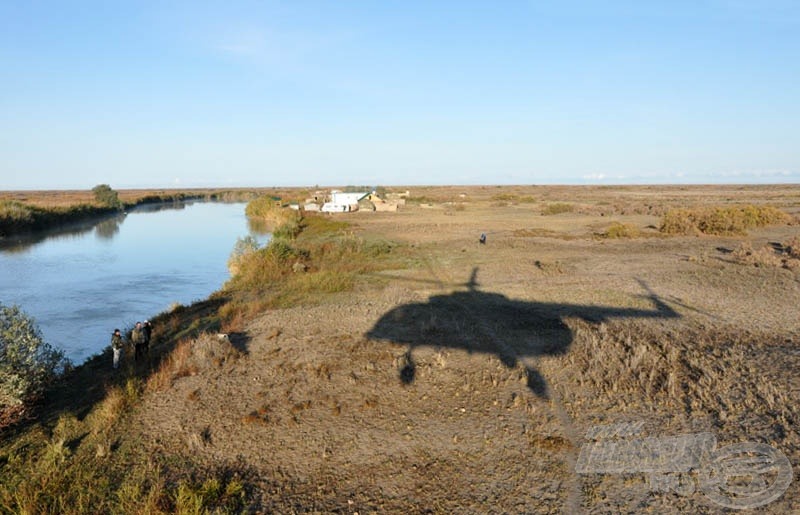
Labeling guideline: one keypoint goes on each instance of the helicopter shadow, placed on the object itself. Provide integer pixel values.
(490, 323)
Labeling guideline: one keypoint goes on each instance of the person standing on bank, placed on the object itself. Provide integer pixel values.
(116, 346)
(137, 337)
(148, 331)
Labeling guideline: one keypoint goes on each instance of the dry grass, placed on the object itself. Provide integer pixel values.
(792, 247)
(118, 400)
(558, 208)
(37, 210)
(64, 198)
(323, 258)
(190, 357)
(783, 256)
(550, 267)
(269, 210)
(764, 256)
(726, 220)
(621, 230)
(691, 370)
(513, 198)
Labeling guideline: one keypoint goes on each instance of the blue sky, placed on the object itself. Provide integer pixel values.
(184, 94)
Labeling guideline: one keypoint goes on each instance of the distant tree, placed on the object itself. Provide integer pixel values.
(107, 196)
(27, 362)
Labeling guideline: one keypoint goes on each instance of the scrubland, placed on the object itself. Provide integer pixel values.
(389, 362)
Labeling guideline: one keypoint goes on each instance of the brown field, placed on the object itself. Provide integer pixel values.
(468, 379)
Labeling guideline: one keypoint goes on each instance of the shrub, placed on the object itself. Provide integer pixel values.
(14, 216)
(678, 221)
(510, 197)
(324, 258)
(620, 230)
(268, 209)
(289, 229)
(260, 270)
(792, 247)
(106, 196)
(244, 246)
(27, 363)
(728, 220)
(558, 208)
(315, 226)
(765, 256)
(786, 255)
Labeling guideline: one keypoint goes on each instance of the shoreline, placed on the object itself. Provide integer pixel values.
(34, 218)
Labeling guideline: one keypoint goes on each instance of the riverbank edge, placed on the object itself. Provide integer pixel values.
(85, 417)
(40, 219)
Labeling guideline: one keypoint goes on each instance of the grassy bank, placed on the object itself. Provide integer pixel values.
(77, 454)
(17, 217)
(308, 257)
(80, 450)
(37, 211)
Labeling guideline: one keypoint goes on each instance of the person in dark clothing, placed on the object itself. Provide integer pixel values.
(147, 327)
(116, 346)
(137, 337)
(482, 239)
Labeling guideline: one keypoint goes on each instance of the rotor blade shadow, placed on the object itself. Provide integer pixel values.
(512, 330)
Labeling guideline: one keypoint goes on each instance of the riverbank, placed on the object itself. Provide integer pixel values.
(433, 373)
(25, 212)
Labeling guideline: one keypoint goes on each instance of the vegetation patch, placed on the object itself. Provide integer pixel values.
(557, 208)
(27, 363)
(786, 255)
(538, 232)
(77, 455)
(269, 209)
(513, 198)
(721, 221)
(105, 196)
(16, 217)
(621, 230)
(316, 257)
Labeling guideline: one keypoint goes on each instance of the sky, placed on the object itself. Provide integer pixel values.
(300, 93)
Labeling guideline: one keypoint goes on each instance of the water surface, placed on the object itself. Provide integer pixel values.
(83, 283)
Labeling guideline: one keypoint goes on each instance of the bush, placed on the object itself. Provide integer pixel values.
(14, 217)
(729, 220)
(678, 221)
(288, 230)
(269, 209)
(244, 246)
(106, 196)
(792, 247)
(620, 230)
(558, 208)
(745, 254)
(27, 363)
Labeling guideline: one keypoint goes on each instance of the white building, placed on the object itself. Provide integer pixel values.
(343, 202)
(346, 199)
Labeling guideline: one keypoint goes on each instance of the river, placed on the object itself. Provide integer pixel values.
(81, 283)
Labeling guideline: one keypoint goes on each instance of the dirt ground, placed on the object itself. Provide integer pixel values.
(473, 380)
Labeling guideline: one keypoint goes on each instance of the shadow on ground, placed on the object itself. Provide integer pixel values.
(491, 323)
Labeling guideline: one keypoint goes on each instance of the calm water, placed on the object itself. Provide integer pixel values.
(81, 284)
